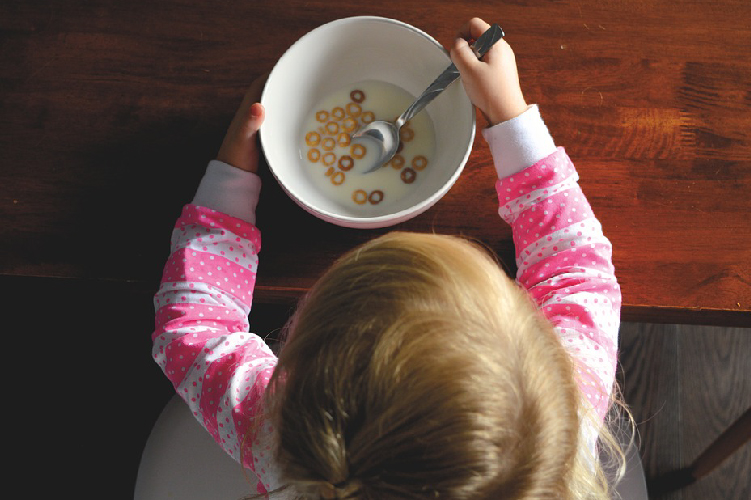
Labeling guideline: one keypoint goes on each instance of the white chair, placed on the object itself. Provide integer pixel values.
(633, 485)
(181, 461)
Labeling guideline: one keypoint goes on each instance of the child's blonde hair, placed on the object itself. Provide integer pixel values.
(415, 368)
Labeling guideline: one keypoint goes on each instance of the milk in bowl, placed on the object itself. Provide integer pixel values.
(335, 164)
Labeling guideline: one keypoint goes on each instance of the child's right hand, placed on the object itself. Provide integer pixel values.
(491, 83)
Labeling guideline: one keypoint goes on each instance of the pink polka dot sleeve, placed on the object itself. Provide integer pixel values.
(201, 340)
(565, 262)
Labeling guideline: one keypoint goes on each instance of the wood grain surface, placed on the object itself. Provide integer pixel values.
(109, 112)
(686, 385)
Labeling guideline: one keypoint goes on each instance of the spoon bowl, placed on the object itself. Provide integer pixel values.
(384, 135)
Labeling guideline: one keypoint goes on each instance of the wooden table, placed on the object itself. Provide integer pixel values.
(110, 111)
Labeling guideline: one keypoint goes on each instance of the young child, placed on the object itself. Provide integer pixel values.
(414, 368)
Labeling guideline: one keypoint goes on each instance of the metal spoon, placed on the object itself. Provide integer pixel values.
(385, 135)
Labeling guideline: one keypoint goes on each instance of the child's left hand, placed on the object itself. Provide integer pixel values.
(240, 146)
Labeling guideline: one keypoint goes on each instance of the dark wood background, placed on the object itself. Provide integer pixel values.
(111, 110)
(685, 385)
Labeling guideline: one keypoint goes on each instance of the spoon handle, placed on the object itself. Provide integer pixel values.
(450, 74)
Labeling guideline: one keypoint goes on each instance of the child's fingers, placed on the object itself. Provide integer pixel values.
(240, 148)
(256, 88)
(477, 27)
(252, 95)
(463, 57)
(473, 29)
(255, 118)
(257, 111)
(247, 128)
(500, 52)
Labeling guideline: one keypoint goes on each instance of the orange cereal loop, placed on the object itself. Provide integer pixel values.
(376, 197)
(357, 95)
(337, 179)
(354, 109)
(357, 151)
(328, 143)
(359, 196)
(329, 159)
(344, 139)
(314, 155)
(337, 113)
(322, 116)
(312, 138)
(346, 163)
(419, 162)
(332, 128)
(349, 124)
(367, 117)
(330, 171)
(408, 175)
(397, 162)
(406, 134)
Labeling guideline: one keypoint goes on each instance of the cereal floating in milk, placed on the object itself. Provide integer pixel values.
(336, 164)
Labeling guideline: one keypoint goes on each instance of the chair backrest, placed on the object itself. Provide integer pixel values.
(181, 460)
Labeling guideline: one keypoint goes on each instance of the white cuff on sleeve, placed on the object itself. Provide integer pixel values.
(519, 142)
(229, 190)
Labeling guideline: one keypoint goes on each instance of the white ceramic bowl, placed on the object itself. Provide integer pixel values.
(348, 51)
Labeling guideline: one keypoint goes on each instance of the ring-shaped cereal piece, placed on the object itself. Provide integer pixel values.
(406, 134)
(357, 95)
(337, 179)
(357, 151)
(367, 117)
(337, 113)
(360, 197)
(312, 138)
(344, 139)
(328, 143)
(349, 124)
(314, 155)
(419, 162)
(376, 197)
(330, 171)
(329, 159)
(408, 175)
(397, 162)
(322, 116)
(354, 110)
(346, 163)
(332, 128)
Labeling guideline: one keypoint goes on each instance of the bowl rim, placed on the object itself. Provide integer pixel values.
(365, 222)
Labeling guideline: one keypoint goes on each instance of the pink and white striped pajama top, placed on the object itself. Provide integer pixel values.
(202, 342)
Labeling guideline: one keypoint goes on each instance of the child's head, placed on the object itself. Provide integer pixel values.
(416, 368)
